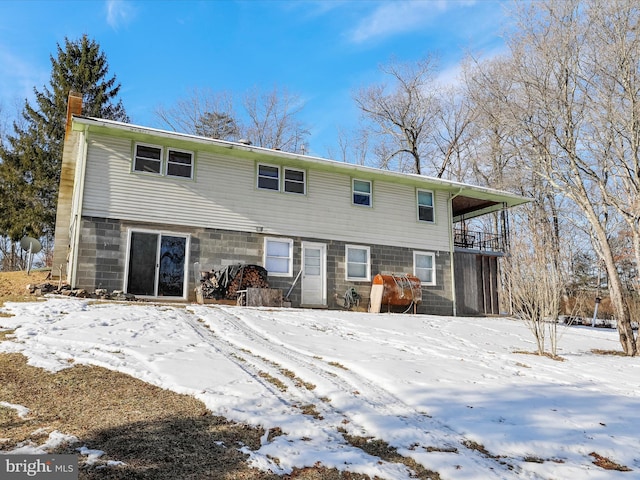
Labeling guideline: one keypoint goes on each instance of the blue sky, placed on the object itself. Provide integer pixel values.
(320, 50)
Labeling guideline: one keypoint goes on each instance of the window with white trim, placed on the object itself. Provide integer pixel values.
(294, 181)
(424, 267)
(361, 192)
(152, 159)
(358, 263)
(425, 206)
(179, 163)
(268, 177)
(278, 256)
(148, 159)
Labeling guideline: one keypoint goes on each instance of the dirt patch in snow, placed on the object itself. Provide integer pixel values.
(157, 434)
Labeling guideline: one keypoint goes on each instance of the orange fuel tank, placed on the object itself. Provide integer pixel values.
(399, 290)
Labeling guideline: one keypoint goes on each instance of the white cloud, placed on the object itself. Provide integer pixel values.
(451, 73)
(119, 12)
(18, 79)
(396, 17)
(401, 16)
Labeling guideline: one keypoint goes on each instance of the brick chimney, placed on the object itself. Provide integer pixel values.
(74, 107)
(61, 246)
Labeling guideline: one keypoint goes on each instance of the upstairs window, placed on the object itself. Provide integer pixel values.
(358, 264)
(361, 192)
(152, 159)
(294, 181)
(268, 177)
(424, 267)
(148, 159)
(278, 256)
(425, 206)
(180, 164)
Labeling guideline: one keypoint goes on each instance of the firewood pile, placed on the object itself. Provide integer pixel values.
(225, 283)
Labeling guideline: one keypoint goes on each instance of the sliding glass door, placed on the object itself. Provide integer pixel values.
(157, 264)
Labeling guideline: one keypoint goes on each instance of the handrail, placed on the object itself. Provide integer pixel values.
(477, 240)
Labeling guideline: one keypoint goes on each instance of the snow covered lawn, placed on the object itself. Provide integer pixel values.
(450, 393)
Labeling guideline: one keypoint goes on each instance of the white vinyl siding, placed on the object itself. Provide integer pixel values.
(223, 196)
(424, 267)
(358, 263)
(278, 256)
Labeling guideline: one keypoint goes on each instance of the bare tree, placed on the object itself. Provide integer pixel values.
(402, 115)
(353, 147)
(488, 86)
(202, 112)
(452, 135)
(576, 111)
(536, 280)
(272, 120)
(613, 59)
(267, 119)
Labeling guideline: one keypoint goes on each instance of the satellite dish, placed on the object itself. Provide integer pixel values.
(30, 245)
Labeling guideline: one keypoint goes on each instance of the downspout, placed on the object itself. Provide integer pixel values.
(451, 247)
(78, 195)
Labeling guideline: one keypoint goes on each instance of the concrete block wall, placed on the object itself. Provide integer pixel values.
(102, 258)
(101, 255)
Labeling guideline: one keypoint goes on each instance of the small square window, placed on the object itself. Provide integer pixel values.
(148, 159)
(294, 181)
(278, 256)
(268, 177)
(424, 267)
(179, 164)
(362, 192)
(358, 263)
(425, 206)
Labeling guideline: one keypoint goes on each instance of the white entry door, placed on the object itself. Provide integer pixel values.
(314, 274)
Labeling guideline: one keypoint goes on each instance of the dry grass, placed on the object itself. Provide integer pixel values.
(382, 449)
(557, 358)
(13, 285)
(158, 434)
(616, 353)
(608, 464)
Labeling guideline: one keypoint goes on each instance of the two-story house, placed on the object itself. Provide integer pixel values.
(139, 207)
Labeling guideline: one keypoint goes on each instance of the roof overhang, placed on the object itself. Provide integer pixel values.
(468, 201)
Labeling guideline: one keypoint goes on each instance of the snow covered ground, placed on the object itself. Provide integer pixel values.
(429, 386)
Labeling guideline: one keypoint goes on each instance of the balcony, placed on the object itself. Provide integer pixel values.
(479, 241)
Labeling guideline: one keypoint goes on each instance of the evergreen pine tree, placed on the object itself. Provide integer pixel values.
(31, 158)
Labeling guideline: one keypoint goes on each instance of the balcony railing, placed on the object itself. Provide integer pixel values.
(476, 240)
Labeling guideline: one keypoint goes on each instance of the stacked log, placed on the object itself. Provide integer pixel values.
(225, 283)
(249, 276)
